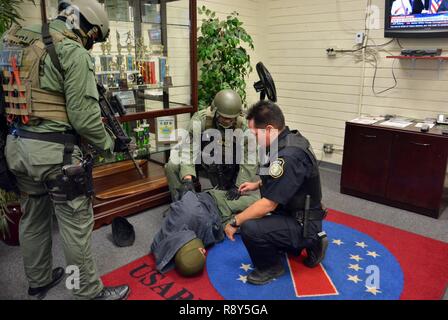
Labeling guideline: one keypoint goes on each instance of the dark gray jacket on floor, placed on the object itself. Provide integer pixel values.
(194, 216)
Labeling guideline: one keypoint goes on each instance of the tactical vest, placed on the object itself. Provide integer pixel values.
(221, 175)
(30, 52)
(311, 185)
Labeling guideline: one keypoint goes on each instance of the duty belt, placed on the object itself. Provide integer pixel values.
(67, 138)
(314, 215)
(55, 137)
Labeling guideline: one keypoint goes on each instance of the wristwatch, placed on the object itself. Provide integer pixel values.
(233, 222)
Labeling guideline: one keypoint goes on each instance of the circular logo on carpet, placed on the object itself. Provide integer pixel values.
(355, 267)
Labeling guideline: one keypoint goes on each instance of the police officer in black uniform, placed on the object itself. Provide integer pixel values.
(288, 217)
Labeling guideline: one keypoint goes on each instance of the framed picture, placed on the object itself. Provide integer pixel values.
(165, 129)
(155, 36)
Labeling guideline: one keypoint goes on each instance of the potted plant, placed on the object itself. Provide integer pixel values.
(9, 13)
(10, 215)
(224, 61)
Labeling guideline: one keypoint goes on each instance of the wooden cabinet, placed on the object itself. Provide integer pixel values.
(367, 154)
(399, 167)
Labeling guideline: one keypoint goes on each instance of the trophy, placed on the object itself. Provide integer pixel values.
(123, 82)
(111, 81)
(108, 46)
(140, 48)
(118, 43)
(167, 80)
(119, 56)
(119, 62)
(130, 60)
(106, 60)
(103, 48)
(130, 63)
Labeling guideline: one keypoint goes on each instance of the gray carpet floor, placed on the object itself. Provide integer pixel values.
(13, 284)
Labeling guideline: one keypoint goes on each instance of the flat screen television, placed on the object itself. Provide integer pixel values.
(416, 19)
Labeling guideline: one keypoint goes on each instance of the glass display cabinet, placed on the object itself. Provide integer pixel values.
(149, 69)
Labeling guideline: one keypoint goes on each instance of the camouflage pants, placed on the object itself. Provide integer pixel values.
(35, 162)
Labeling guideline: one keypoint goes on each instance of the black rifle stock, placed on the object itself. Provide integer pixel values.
(114, 125)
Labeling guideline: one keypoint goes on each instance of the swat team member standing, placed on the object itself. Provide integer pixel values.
(64, 104)
(293, 175)
(225, 113)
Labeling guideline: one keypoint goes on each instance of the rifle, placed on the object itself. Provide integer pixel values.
(43, 12)
(123, 140)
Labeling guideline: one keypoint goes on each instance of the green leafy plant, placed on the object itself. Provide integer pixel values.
(5, 199)
(9, 13)
(224, 62)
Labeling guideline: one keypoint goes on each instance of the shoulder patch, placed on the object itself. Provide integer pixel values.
(276, 168)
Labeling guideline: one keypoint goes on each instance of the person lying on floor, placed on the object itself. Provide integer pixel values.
(194, 223)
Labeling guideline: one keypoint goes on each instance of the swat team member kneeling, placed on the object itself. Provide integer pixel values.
(291, 192)
(225, 113)
(59, 103)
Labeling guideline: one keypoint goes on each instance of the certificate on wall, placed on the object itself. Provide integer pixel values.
(165, 129)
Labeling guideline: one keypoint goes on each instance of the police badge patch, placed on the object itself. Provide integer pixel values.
(276, 168)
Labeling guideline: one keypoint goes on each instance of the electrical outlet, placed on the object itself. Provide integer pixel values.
(359, 38)
(331, 51)
(328, 148)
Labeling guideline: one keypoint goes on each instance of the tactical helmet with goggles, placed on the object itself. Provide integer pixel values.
(87, 16)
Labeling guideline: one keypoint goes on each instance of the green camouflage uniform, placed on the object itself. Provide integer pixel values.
(35, 162)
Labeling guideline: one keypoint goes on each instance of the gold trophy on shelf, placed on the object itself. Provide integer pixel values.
(105, 58)
(140, 48)
(108, 46)
(130, 61)
(103, 48)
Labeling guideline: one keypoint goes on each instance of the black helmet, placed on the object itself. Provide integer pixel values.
(123, 232)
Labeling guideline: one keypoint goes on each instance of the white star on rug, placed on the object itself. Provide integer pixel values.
(246, 267)
(373, 290)
(355, 279)
(337, 242)
(243, 279)
(357, 258)
(361, 244)
(355, 267)
(373, 254)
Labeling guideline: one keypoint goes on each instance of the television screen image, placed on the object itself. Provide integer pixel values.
(416, 18)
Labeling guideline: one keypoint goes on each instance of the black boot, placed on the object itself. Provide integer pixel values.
(41, 292)
(113, 293)
(316, 253)
(265, 276)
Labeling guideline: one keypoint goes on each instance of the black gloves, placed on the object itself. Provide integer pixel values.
(121, 144)
(187, 185)
(233, 193)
